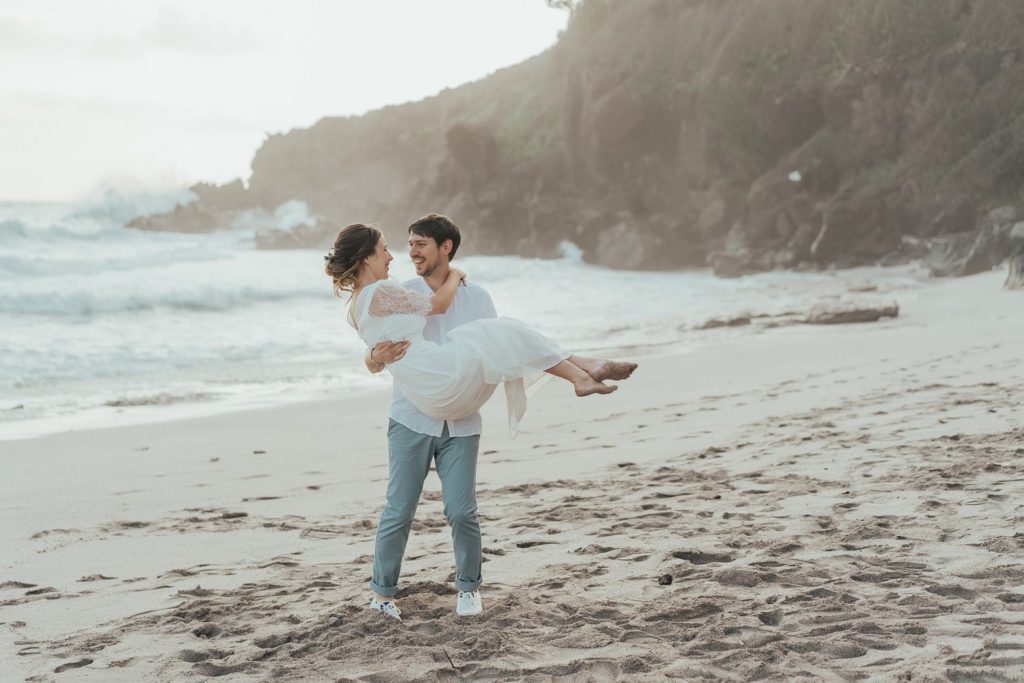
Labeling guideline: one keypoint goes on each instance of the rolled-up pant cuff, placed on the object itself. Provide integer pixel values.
(388, 591)
(467, 586)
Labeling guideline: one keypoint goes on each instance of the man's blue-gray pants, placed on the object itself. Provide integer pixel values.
(409, 458)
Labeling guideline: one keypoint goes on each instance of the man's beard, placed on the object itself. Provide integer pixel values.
(428, 269)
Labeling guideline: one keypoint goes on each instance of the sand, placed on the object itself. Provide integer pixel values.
(830, 502)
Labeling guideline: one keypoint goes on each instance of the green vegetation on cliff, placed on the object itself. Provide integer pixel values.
(659, 132)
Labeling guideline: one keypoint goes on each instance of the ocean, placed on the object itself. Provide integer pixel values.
(101, 323)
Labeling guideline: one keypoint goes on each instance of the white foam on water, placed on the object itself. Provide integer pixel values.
(98, 316)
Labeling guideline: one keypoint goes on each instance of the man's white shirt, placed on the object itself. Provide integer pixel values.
(471, 303)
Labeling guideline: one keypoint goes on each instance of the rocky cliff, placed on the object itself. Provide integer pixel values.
(751, 134)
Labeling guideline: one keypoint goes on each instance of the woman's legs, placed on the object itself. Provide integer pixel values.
(588, 374)
(584, 383)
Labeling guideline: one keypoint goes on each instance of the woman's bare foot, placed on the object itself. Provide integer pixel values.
(611, 369)
(588, 386)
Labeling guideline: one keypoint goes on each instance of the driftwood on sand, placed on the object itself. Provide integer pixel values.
(823, 314)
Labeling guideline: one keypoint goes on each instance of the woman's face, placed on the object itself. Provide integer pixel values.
(378, 264)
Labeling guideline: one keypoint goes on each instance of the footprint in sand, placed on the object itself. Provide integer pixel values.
(207, 631)
(73, 665)
(211, 669)
(193, 656)
(700, 557)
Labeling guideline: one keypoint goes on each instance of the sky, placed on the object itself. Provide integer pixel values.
(143, 94)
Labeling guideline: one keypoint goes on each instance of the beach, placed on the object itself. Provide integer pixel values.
(833, 502)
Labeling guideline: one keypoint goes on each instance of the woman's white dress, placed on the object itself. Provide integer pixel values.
(443, 381)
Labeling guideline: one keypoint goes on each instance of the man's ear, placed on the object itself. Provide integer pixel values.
(446, 248)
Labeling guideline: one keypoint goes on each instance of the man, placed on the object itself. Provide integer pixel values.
(415, 440)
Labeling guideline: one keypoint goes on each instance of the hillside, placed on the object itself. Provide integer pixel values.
(751, 134)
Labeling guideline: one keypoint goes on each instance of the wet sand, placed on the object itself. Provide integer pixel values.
(832, 502)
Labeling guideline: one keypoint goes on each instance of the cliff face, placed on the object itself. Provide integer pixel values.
(666, 133)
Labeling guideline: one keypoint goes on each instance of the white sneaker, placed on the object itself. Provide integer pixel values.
(469, 603)
(387, 607)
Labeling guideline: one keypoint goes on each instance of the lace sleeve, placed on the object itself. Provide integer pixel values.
(391, 299)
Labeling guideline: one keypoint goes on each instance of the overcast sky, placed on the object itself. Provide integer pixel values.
(157, 94)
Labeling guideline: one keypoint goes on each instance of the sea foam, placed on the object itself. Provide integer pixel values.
(98, 314)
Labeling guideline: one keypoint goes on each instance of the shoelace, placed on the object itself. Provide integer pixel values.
(466, 594)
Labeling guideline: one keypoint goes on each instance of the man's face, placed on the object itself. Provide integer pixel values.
(426, 255)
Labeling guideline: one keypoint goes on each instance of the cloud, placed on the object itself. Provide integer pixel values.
(170, 30)
(175, 30)
(115, 47)
(17, 34)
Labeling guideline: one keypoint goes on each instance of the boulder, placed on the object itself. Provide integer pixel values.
(911, 249)
(784, 258)
(183, 218)
(625, 246)
(1003, 215)
(946, 255)
(227, 197)
(731, 263)
(734, 257)
(302, 236)
(1015, 278)
(967, 253)
(990, 248)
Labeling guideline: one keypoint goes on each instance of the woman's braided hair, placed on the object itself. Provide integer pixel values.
(344, 262)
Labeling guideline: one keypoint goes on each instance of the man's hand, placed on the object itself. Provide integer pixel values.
(385, 352)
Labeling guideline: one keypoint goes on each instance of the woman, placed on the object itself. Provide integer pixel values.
(438, 379)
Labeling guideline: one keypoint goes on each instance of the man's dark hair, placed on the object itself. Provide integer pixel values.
(438, 228)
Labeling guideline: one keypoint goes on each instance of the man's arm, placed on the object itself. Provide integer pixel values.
(382, 353)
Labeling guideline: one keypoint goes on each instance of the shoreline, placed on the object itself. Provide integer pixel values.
(114, 417)
(858, 476)
(690, 336)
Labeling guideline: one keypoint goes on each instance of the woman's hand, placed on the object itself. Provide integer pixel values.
(442, 298)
